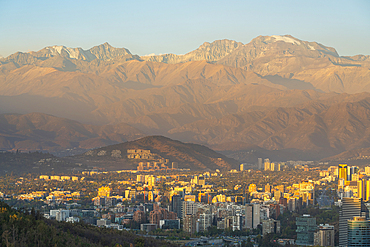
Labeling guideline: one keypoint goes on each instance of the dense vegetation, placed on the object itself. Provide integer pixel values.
(328, 216)
(22, 228)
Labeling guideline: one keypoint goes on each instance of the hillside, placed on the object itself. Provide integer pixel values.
(319, 129)
(21, 228)
(18, 163)
(42, 132)
(361, 154)
(188, 155)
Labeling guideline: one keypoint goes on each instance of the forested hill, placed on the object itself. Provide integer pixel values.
(31, 229)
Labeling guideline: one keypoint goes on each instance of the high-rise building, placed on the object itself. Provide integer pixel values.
(161, 214)
(190, 223)
(306, 227)
(176, 205)
(324, 236)
(244, 195)
(268, 188)
(260, 164)
(205, 221)
(362, 189)
(367, 197)
(367, 170)
(280, 188)
(140, 178)
(188, 207)
(351, 171)
(277, 195)
(270, 226)
(351, 207)
(151, 181)
(358, 232)
(139, 216)
(252, 215)
(267, 165)
(194, 180)
(342, 171)
(241, 167)
(274, 166)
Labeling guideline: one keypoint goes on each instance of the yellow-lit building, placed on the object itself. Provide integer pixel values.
(219, 198)
(151, 181)
(342, 171)
(140, 178)
(267, 165)
(190, 198)
(150, 196)
(361, 189)
(252, 188)
(104, 191)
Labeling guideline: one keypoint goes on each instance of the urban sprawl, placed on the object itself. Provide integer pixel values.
(284, 201)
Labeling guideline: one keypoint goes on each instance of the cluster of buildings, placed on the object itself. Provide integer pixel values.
(353, 183)
(309, 234)
(354, 191)
(155, 166)
(59, 178)
(354, 222)
(51, 198)
(156, 162)
(141, 154)
(194, 204)
(269, 166)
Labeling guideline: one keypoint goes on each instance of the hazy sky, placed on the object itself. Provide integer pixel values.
(146, 27)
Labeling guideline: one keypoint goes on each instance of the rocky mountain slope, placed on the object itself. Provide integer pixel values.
(293, 59)
(322, 128)
(277, 92)
(211, 52)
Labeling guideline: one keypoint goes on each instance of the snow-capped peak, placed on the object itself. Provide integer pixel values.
(286, 39)
(72, 52)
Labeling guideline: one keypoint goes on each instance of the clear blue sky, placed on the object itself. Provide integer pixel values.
(146, 27)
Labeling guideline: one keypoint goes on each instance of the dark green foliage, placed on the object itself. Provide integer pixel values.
(23, 229)
(323, 216)
(267, 241)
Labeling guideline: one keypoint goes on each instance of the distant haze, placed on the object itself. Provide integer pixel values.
(276, 95)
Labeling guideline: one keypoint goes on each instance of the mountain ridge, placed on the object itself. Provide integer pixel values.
(266, 93)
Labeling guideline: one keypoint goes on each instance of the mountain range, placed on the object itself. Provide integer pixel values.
(277, 93)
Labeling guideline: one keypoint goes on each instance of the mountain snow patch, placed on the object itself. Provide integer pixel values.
(285, 39)
(72, 53)
(311, 47)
